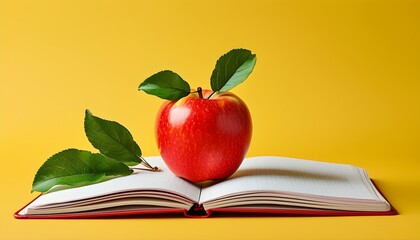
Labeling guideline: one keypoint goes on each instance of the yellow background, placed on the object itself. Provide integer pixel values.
(335, 81)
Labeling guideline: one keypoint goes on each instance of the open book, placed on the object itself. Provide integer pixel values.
(261, 185)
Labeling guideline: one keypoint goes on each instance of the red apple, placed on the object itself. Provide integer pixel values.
(204, 139)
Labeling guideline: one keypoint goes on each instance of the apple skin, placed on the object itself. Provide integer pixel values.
(204, 139)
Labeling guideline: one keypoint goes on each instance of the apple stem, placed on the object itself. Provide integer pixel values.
(200, 92)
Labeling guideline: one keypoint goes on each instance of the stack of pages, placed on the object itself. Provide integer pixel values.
(274, 185)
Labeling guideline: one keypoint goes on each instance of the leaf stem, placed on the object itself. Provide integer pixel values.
(147, 165)
(211, 95)
(146, 169)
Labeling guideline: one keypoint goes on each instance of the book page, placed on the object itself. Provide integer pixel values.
(142, 180)
(294, 177)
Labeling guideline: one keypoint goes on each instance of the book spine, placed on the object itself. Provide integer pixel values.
(197, 211)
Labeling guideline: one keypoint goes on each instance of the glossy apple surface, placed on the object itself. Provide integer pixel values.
(204, 139)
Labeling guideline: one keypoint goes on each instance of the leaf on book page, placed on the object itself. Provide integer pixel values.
(112, 139)
(232, 69)
(74, 168)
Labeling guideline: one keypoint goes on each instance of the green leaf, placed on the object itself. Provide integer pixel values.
(74, 168)
(112, 139)
(167, 85)
(232, 69)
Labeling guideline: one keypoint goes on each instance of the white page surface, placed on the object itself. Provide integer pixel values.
(293, 176)
(143, 180)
